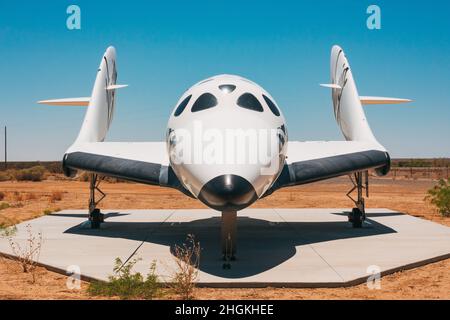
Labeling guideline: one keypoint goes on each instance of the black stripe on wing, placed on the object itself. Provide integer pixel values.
(308, 171)
(131, 170)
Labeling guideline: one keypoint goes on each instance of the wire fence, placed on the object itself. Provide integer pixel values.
(415, 173)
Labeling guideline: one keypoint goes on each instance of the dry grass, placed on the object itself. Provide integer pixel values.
(15, 284)
(27, 255)
(29, 196)
(56, 196)
(428, 282)
(37, 173)
(4, 205)
(17, 196)
(187, 262)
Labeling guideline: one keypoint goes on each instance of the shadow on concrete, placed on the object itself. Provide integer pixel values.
(85, 215)
(262, 245)
(372, 214)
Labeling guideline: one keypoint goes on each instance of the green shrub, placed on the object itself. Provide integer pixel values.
(126, 284)
(36, 173)
(439, 196)
(54, 167)
(4, 205)
(49, 211)
(7, 231)
(5, 176)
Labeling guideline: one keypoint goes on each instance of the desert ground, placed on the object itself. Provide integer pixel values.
(28, 200)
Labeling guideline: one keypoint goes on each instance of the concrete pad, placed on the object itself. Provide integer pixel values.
(276, 247)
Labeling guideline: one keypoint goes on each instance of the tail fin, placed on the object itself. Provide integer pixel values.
(348, 105)
(348, 109)
(101, 105)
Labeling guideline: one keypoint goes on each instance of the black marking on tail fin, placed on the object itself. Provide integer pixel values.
(110, 94)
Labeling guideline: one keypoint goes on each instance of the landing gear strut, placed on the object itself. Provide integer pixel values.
(95, 216)
(358, 214)
(228, 232)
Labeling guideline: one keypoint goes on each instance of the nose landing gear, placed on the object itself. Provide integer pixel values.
(228, 234)
(358, 214)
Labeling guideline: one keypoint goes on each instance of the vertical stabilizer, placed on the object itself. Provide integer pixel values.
(347, 105)
(100, 110)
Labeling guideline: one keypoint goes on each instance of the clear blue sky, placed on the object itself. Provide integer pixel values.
(164, 47)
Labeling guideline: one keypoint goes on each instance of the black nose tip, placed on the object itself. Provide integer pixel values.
(228, 192)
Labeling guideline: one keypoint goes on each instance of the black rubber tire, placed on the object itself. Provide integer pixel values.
(352, 214)
(96, 219)
(357, 218)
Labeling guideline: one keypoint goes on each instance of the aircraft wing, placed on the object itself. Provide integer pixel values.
(143, 162)
(320, 160)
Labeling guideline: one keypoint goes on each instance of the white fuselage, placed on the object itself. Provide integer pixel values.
(227, 142)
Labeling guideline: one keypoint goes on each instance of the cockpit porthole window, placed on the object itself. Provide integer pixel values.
(272, 106)
(249, 101)
(227, 88)
(182, 106)
(205, 101)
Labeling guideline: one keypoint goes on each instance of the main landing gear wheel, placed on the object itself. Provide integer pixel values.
(95, 216)
(356, 218)
(228, 234)
(358, 214)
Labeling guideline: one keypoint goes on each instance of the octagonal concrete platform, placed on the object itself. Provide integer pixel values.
(276, 247)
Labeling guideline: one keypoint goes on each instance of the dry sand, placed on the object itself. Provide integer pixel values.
(30, 199)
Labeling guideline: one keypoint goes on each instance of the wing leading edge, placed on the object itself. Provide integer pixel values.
(315, 161)
(143, 162)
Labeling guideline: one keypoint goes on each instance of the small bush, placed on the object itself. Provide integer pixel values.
(17, 196)
(187, 260)
(28, 255)
(7, 231)
(54, 167)
(50, 211)
(4, 176)
(126, 284)
(29, 196)
(4, 205)
(56, 196)
(439, 196)
(84, 177)
(2, 196)
(18, 205)
(36, 173)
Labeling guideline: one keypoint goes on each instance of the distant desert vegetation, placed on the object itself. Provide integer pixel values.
(39, 171)
(434, 169)
(24, 200)
(23, 197)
